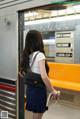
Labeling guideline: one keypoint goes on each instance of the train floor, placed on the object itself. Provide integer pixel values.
(58, 111)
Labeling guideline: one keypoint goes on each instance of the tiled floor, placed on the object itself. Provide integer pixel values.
(58, 111)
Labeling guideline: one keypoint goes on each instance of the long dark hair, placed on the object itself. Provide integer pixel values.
(33, 42)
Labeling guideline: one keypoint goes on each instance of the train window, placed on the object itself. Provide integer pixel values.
(57, 24)
(49, 44)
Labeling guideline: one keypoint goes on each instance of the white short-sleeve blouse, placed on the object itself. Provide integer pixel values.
(40, 56)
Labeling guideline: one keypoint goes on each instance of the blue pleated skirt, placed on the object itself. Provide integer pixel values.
(36, 99)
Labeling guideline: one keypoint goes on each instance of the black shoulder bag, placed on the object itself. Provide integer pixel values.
(32, 78)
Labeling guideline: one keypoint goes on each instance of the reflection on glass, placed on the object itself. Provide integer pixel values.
(49, 44)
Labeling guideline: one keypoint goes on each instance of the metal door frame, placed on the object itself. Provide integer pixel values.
(20, 50)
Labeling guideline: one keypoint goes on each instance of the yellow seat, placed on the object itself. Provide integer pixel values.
(66, 76)
(66, 85)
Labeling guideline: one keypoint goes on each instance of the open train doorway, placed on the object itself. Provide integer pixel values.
(50, 20)
(37, 19)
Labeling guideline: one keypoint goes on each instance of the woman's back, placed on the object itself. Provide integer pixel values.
(35, 66)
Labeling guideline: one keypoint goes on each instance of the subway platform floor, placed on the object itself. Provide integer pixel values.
(58, 111)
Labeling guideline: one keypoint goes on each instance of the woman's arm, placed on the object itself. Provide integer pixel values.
(45, 77)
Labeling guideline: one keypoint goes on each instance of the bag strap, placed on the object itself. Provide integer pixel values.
(34, 60)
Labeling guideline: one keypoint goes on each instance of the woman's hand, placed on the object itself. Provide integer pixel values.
(55, 94)
(21, 74)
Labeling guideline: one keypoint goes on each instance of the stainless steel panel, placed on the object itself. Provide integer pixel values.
(8, 99)
(10, 110)
(7, 93)
(8, 104)
(8, 47)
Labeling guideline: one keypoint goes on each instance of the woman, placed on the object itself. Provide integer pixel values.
(36, 96)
